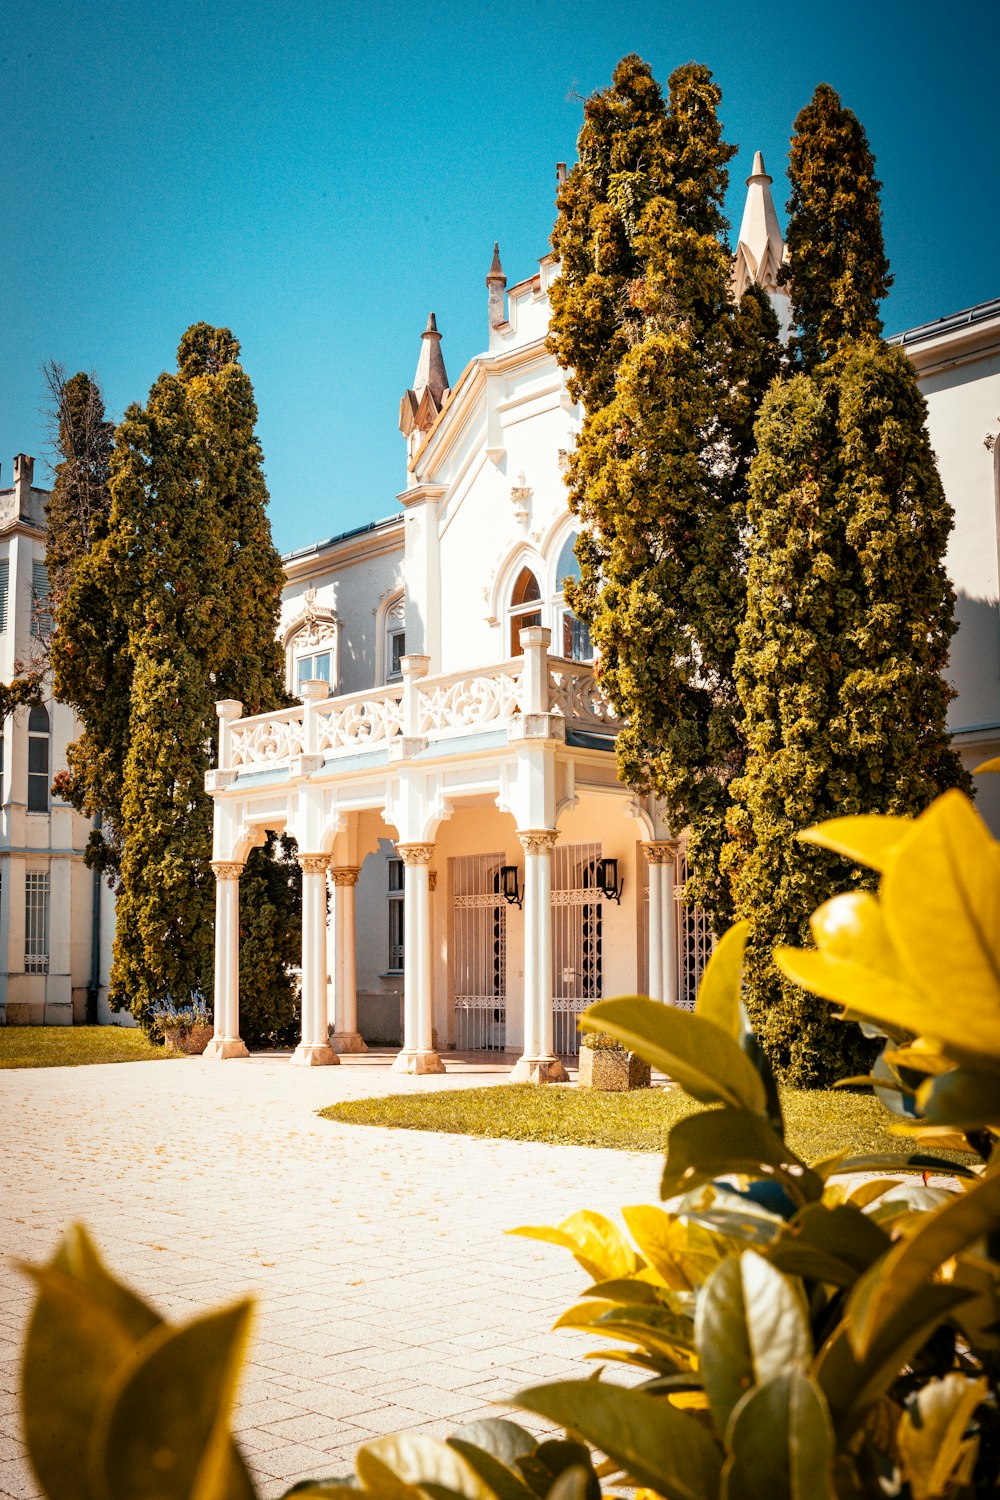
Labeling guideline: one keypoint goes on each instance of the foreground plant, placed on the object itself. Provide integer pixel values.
(804, 1335)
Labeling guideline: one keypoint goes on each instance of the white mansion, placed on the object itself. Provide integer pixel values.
(474, 874)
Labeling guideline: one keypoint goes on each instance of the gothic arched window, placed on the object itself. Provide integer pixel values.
(573, 637)
(525, 607)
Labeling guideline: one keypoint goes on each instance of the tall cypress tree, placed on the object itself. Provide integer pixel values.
(671, 383)
(188, 583)
(849, 609)
(80, 503)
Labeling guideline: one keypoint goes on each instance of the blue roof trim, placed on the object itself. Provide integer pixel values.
(583, 741)
(485, 741)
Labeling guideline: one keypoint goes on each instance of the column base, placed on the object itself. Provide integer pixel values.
(538, 1070)
(220, 1048)
(347, 1042)
(417, 1062)
(314, 1055)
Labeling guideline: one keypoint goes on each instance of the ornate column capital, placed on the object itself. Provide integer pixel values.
(314, 864)
(432, 879)
(344, 874)
(415, 854)
(224, 869)
(537, 840)
(661, 851)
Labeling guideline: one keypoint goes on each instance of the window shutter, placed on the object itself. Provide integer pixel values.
(4, 582)
(41, 619)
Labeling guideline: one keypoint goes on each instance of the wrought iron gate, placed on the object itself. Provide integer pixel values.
(695, 945)
(480, 945)
(577, 959)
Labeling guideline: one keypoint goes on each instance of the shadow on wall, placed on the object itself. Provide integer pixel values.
(974, 664)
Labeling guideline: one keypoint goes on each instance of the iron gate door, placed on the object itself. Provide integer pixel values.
(480, 933)
(577, 960)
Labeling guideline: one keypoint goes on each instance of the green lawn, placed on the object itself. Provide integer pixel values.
(819, 1122)
(73, 1046)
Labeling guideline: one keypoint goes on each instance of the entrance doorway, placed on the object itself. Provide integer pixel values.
(577, 940)
(480, 937)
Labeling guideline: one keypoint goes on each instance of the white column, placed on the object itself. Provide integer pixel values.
(661, 856)
(538, 1063)
(226, 1006)
(314, 1050)
(346, 1037)
(418, 1055)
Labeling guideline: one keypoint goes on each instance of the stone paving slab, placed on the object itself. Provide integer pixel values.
(388, 1294)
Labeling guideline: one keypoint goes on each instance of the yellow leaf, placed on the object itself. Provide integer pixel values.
(869, 839)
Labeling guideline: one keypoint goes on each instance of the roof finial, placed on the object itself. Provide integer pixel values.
(496, 285)
(760, 250)
(422, 403)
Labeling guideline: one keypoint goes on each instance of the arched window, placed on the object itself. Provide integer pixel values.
(525, 607)
(38, 760)
(573, 638)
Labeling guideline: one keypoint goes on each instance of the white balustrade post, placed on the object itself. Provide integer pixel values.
(228, 710)
(418, 1054)
(535, 641)
(661, 856)
(226, 1005)
(346, 1037)
(313, 691)
(314, 1050)
(538, 1063)
(413, 668)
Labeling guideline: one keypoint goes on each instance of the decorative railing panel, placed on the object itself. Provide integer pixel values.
(574, 693)
(266, 739)
(359, 722)
(454, 705)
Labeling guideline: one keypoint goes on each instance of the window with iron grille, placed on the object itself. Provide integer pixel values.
(38, 760)
(36, 922)
(396, 899)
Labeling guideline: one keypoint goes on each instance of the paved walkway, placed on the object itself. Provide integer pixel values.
(389, 1295)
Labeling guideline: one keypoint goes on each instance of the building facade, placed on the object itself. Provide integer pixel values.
(56, 917)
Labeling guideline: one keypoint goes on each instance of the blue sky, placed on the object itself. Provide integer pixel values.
(320, 178)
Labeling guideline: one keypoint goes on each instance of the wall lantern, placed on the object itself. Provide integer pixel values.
(607, 880)
(508, 885)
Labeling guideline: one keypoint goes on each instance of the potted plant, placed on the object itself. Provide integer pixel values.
(187, 1028)
(606, 1064)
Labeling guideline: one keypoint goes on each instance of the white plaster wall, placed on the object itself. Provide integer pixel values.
(353, 590)
(963, 406)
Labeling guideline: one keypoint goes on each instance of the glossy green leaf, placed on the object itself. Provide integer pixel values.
(961, 1097)
(696, 1053)
(653, 1442)
(717, 1142)
(171, 1413)
(416, 1459)
(751, 1323)
(629, 1291)
(727, 1213)
(891, 1284)
(556, 1458)
(668, 1242)
(782, 1442)
(596, 1243)
(834, 1245)
(576, 1483)
(75, 1347)
(912, 1162)
(77, 1255)
(940, 897)
(869, 839)
(932, 1436)
(719, 993)
(852, 1382)
(493, 1455)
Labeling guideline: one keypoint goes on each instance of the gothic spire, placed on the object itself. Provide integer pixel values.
(421, 404)
(760, 250)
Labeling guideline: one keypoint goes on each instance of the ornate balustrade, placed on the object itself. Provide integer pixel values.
(266, 740)
(421, 709)
(574, 693)
(464, 701)
(358, 721)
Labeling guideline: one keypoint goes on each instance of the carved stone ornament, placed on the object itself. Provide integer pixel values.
(661, 852)
(345, 874)
(315, 625)
(520, 496)
(538, 840)
(415, 854)
(226, 870)
(432, 879)
(314, 864)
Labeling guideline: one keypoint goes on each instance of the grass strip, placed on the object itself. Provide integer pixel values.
(75, 1046)
(818, 1121)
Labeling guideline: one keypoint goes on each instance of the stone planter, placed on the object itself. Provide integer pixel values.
(614, 1072)
(190, 1040)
